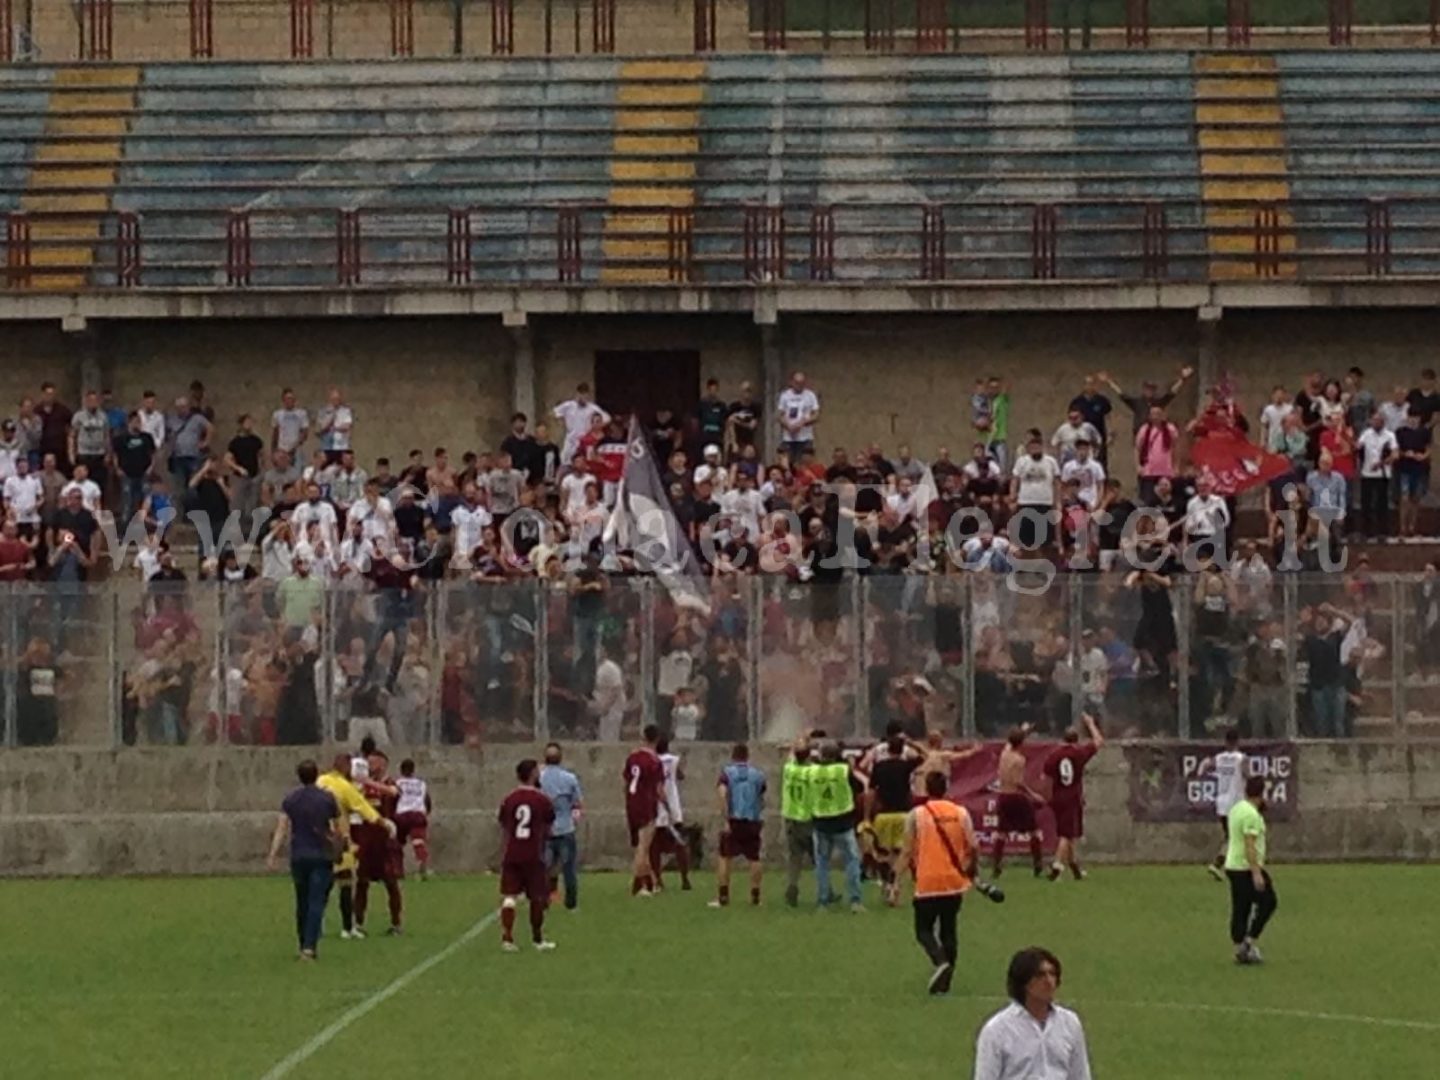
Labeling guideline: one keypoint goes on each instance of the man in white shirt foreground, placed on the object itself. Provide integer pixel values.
(1032, 1038)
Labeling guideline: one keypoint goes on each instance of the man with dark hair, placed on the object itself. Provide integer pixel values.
(797, 808)
(1016, 803)
(310, 818)
(525, 819)
(940, 849)
(741, 791)
(1252, 893)
(890, 780)
(644, 780)
(562, 787)
(1032, 1036)
(832, 800)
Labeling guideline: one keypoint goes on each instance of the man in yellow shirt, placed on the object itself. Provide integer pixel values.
(354, 808)
(1252, 893)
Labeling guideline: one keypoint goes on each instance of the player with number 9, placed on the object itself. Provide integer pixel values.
(644, 780)
(1066, 769)
(525, 819)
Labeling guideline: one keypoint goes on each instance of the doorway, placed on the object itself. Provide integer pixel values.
(644, 381)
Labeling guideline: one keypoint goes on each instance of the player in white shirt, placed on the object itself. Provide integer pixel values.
(578, 415)
(1229, 769)
(669, 837)
(1085, 471)
(412, 815)
(1274, 414)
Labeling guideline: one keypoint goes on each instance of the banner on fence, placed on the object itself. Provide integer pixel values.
(1175, 782)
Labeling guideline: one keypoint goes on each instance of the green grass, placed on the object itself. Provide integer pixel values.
(989, 14)
(192, 978)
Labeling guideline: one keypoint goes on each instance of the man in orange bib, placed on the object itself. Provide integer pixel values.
(941, 852)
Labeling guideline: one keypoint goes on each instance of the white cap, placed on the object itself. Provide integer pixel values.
(712, 449)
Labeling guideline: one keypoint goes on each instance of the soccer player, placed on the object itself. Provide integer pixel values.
(644, 780)
(359, 811)
(669, 821)
(525, 818)
(1016, 802)
(742, 802)
(562, 788)
(1066, 769)
(890, 787)
(381, 858)
(1252, 893)
(938, 844)
(1229, 769)
(799, 814)
(412, 815)
(939, 760)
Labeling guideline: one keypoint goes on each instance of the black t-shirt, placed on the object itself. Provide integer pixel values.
(891, 780)
(1414, 440)
(840, 472)
(746, 412)
(712, 416)
(134, 451)
(80, 522)
(1323, 656)
(246, 450)
(704, 510)
(1120, 511)
(1093, 409)
(1423, 405)
(903, 533)
(521, 449)
(545, 462)
(410, 521)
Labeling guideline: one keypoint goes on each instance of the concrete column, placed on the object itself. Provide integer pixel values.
(86, 361)
(1208, 363)
(523, 378)
(772, 378)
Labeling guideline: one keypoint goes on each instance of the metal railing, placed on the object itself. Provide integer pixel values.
(102, 30)
(577, 244)
(461, 662)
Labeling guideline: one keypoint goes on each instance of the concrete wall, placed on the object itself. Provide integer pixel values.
(201, 811)
(883, 378)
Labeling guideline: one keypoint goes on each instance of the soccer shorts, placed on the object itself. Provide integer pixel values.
(639, 818)
(1069, 819)
(1017, 813)
(890, 831)
(380, 857)
(527, 879)
(741, 840)
(413, 825)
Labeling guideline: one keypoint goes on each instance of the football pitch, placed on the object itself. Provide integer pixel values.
(196, 977)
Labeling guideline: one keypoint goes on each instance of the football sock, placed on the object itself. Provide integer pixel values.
(754, 896)
(537, 922)
(723, 893)
(362, 900)
(347, 908)
(507, 923)
(422, 854)
(397, 901)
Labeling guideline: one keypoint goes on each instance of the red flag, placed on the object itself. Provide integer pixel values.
(1234, 462)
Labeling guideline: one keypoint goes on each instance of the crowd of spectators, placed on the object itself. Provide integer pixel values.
(347, 560)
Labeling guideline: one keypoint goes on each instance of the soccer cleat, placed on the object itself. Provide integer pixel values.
(1215, 872)
(940, 979)
(358, 933)
(509, 946)
(394, 931)
(1080, 874)
(1254, 951)
(345, 935)
(1055, 872)
(716, 903)
(645, 894)
(544, 946)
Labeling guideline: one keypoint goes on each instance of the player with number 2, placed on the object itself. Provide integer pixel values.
(525, 818)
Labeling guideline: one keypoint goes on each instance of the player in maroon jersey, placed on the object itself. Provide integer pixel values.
(1066, 769)
(525, 819)
(644, 778)
(380, 856)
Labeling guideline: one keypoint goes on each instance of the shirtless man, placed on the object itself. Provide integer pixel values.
(939, 760)
(1017, 801)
